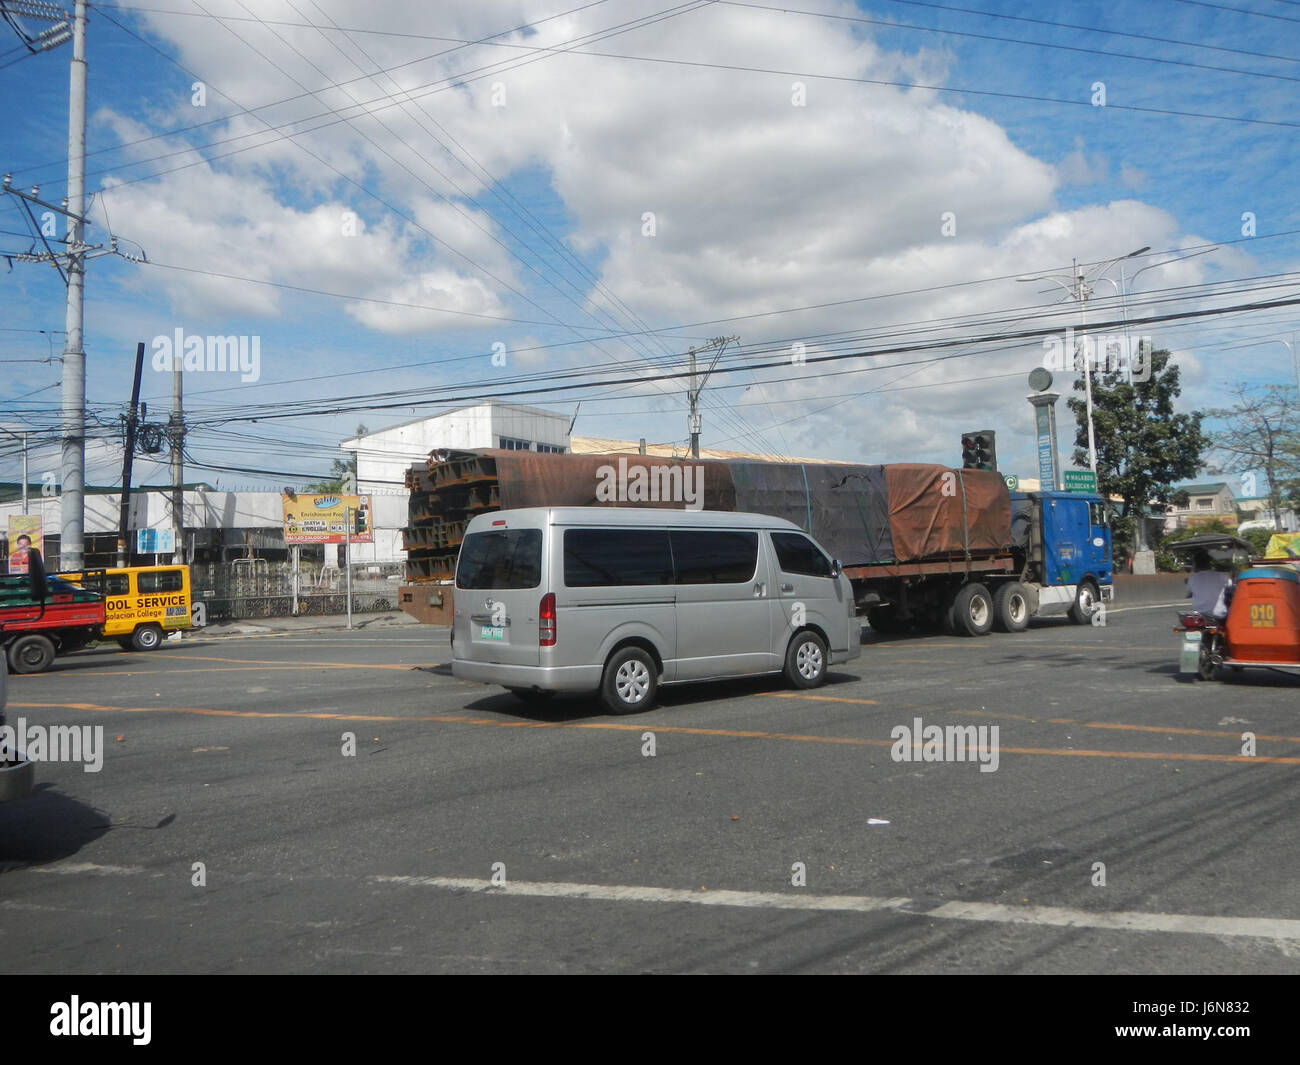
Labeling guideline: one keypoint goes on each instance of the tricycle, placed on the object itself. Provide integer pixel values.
(1260, 628)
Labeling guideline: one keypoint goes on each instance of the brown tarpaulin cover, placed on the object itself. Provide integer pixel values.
(936, 511)
(863, 515)
(535, 479)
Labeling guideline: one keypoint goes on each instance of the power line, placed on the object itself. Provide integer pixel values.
(1009, 40)
(1095, 29)
(784, 364)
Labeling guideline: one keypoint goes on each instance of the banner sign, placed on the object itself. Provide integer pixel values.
(24, 534)
(155, 541)
(322, 519)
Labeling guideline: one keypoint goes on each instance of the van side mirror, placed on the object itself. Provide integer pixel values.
(836, 568)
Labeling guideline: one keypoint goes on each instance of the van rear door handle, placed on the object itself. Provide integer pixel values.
(760, 589)
(787, 587)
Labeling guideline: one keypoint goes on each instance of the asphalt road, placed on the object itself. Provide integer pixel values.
(229, 829)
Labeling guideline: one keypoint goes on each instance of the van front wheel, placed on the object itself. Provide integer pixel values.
(805, 661)
(630, 682)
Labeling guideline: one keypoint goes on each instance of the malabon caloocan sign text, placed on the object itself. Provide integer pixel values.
(324, 519)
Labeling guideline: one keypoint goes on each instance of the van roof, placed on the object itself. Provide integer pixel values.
(644, 516)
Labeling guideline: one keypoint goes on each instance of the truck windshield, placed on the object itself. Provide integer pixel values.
(505, 558)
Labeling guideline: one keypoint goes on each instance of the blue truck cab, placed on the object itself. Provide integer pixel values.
(1062, 541)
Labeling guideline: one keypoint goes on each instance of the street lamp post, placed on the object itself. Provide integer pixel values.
(1121, 290)
(1079, 289)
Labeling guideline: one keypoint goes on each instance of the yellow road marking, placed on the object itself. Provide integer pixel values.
(1034, 719)
(793, 737)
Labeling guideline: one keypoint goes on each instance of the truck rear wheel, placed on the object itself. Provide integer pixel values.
(32, 653)
(972, 610)
(1011, 607)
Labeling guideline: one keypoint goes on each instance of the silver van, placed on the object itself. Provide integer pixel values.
(618, 600)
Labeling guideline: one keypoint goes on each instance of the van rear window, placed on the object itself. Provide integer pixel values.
(600, 558)
(503, 558)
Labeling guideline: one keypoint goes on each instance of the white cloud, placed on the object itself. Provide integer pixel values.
(759, 205)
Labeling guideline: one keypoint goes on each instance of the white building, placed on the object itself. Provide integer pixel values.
(384, 456)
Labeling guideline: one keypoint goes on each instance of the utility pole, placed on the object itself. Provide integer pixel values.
(693, 418)
(70, 262)
(693, 391)
(176, 431)
(347, 559)
(23, 440)
(124, 511)
(72, 483)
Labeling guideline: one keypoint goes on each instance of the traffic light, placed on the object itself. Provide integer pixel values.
(360, 517)
(979, 450)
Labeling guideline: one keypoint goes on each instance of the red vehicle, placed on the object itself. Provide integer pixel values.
(42, 616)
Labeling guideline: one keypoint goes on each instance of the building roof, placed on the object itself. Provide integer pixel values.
(1202, 489)
(447, 413)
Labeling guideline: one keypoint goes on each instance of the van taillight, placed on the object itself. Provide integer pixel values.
(546, 621)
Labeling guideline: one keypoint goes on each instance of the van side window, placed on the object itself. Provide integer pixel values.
(167, 581)
(117, 584)
(505, 558)
(597, 558)
(795, 553)
(709, 557)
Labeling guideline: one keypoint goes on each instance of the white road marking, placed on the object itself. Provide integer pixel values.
(72, 868)
(1053, 916)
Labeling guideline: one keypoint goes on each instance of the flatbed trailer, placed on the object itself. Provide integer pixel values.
(33, 630)
(923, 545)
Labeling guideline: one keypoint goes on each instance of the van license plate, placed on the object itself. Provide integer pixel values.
(492, 632)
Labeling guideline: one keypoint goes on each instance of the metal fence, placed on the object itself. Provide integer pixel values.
(257, 588)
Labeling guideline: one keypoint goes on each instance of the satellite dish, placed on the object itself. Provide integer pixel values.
(1040, 379)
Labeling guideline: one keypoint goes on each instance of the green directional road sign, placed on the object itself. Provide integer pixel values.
(1013, 482)
(1080, 481)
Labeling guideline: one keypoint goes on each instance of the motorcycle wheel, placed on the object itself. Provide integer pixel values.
(1205, 668)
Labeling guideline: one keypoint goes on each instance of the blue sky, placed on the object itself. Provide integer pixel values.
(786, 167)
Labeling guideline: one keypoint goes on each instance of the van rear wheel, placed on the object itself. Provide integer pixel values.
(630, 682)
(805, 661)
(147, 638)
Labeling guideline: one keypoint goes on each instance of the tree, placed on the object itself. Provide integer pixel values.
(340, 470)
(1143, 446)
(1262, 432)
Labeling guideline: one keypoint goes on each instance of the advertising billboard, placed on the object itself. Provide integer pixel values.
(322, 519)
(24, 535)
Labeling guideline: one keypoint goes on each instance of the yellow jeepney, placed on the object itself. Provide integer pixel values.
(141, 603)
